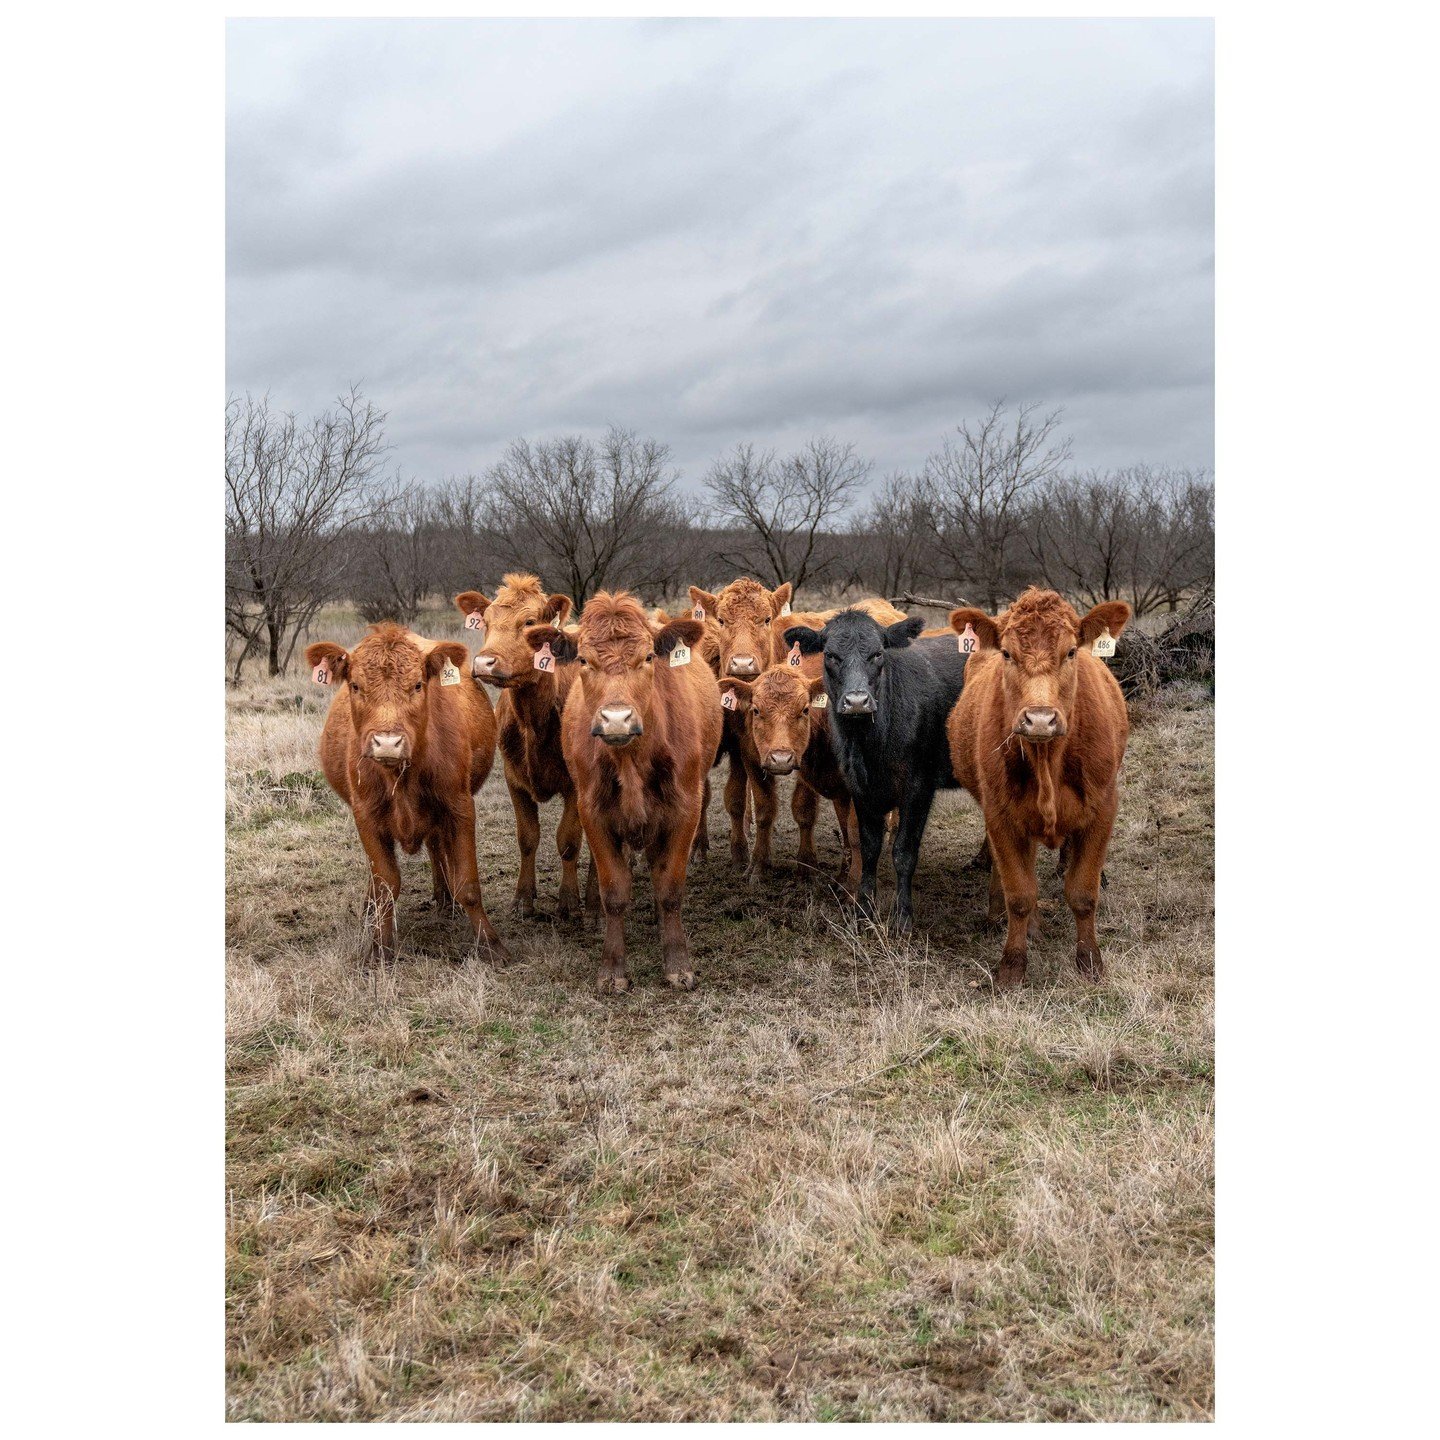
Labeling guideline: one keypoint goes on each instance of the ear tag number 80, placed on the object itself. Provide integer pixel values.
(545, 658)
(698, 613)
(680, 655)
(1104, 645)
(969, 640)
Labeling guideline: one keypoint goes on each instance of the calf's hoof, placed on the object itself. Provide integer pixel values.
(494, 950)
(612, 982)
(568, 904)
(1012, 972)
(680, 979)
(739, 857)
(1089, 963)
(523, 906)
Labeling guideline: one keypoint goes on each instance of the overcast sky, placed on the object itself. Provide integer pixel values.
(724, 230)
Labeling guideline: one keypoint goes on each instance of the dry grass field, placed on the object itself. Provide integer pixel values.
(840, 1181)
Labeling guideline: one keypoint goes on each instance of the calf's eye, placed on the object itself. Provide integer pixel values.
(1005, 653)
(1073, 649)
(419, 684)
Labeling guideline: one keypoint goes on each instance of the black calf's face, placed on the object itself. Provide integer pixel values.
(855, 649)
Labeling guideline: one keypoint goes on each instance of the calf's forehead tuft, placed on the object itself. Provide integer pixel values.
(615, 621)
(744, 599)
(1038, 619)
(388, 652)
(782, 686)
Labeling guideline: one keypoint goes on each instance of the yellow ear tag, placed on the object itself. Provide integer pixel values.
(474, 621)
(449, 673)
(727, 699)
(698, 613)
(820, 701)
(969, 640)
(680, 655)
(1104, 645)
(793, 658)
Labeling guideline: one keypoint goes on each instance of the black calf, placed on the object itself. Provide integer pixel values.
(890, 696)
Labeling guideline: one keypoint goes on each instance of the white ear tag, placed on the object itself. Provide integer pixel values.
(474, 621)
(698, 613)
(727, 699)
(969, 640)
(449, 673)
(545, 658)
(680, 655)
(820, 701)
(1104, 645)
(793, 658)
(785, 608)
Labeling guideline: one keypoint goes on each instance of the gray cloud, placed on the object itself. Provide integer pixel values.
(726, 230)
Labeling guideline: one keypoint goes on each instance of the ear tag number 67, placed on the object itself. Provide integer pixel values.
(545, 658)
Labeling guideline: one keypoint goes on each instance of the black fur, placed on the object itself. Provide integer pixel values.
(897, 754)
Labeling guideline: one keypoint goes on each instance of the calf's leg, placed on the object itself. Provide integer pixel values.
(613, 872)
(905, 852)
(383, 892)
(527, 834)
(735, 787)
(568, 835)
(667, 858)
(701, 848)
(872, 841)
(849, 819)
(1082, 890)
(1015, 861)
(439, 880)
(762, 787)
(804, 806)
(458, 846)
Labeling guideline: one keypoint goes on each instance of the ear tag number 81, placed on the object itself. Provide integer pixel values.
(1104, 645)
(545, 658)
(680, 655)
(969, 640)
(320, 674)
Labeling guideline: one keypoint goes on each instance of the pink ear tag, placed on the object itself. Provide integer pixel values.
(474, 621)
(698, 613)
(544, 658)
(793, 658)
(727, 699)
(320, 674)
(969, 640)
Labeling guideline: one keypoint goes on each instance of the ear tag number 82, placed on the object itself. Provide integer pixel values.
(969, 640)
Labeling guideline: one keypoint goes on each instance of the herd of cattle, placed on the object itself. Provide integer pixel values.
(624, 714)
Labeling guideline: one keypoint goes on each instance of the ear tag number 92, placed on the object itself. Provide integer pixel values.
(1104, 645)
(969, 640)
(475, 621)
(680, 655)
(449, 673)
(545, 658)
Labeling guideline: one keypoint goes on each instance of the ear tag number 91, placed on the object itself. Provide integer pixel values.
(727, 699)
(1104, 645)
(680, 655)
(969, 640)
(545, 658)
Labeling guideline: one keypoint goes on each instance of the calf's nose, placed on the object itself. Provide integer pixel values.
(617, 724)
(743, 667)
(857, 702)
(387, 746)
(1039, 722)
(482, 665)
(781, 760)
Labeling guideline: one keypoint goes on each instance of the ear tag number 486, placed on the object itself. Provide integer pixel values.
(1104, 645)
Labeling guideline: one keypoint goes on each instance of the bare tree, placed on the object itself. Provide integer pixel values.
(782, 507)
(586, 515)
(396, 556)
(890, 539)
(293, 492)
(1177, 531)
(979, 486)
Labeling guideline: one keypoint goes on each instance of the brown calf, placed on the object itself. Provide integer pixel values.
(785, 713)
(1037, 737)
(528, 714)
(639, 734)
(408, 740)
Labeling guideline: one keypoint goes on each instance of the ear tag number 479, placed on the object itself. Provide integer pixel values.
(1104, 645)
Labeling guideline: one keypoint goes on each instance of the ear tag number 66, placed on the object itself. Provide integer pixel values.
(793, 658)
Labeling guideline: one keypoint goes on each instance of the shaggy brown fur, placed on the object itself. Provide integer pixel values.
(437, 743)
(639, 735)
(1034, 675)
(528, 713)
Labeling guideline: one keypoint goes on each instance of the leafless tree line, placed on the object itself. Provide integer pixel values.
(312, 516)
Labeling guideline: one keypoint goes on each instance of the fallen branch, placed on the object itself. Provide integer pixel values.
(904, 1060)
(908, 599)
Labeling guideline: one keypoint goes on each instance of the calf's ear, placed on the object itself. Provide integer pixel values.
(811, 642)
(902, 632)
(679, 632)
(470, 602)
(780, 597)
(741, 690)
(1111, 615)
(817, 688)
(557, 609)
(704, 599)
(442, 651)
(561, 642)
(986, 630)
(334, 657)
